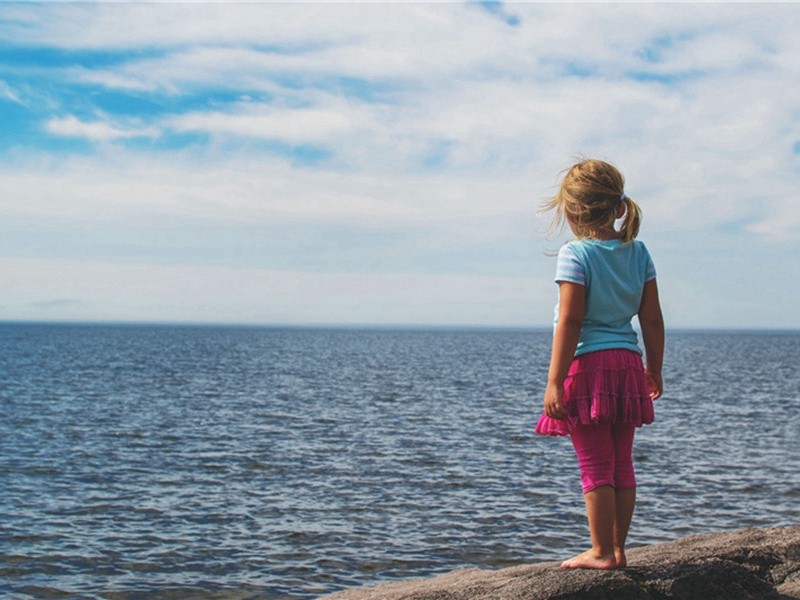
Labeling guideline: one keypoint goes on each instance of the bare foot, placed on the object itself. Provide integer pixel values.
(590, 560)
(622, 561)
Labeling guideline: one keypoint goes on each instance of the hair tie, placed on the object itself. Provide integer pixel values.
(622, 197)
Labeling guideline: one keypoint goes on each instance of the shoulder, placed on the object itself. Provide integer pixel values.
(579, 248)
(575, 251)
(569, 249)
(645, 259)
(570, 264)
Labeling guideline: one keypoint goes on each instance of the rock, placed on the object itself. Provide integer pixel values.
(737, 565)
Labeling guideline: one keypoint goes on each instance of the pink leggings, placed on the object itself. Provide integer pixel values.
(605, 454)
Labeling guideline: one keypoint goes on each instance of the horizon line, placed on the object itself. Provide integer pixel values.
(357, 325)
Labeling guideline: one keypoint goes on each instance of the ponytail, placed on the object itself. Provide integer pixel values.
(631, 221)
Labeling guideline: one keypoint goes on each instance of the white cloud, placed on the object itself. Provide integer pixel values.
(283, 24)
(295, 125)
(8, 93)
(96, 131)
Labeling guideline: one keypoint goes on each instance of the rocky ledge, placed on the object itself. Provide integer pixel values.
(749, 563)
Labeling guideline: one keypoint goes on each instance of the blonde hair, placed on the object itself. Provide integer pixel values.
(591, 197)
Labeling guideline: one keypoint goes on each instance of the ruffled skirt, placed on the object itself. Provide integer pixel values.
(607, 385)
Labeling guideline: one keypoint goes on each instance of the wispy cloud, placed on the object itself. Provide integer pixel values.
(7, 93)
(96, 131)
(295, 125)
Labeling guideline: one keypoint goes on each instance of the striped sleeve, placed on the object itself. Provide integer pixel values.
(650, 268)
(569, 266)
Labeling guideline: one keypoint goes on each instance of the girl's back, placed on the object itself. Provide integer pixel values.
(614, 275)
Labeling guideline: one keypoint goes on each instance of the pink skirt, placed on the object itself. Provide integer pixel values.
(603, 386)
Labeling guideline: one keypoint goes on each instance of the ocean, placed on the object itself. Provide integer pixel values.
(287, 463)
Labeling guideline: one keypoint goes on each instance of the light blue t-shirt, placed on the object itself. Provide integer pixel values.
(614, 275)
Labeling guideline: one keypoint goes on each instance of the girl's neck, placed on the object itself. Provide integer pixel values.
(605, 235)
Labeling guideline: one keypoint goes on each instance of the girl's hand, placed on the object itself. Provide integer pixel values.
(655, 383)
(554, 402)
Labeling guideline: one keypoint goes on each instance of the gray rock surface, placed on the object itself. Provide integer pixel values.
(744, 564)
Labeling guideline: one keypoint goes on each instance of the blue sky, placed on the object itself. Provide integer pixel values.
(382, 163)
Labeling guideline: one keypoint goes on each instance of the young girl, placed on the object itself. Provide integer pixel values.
(598, 391)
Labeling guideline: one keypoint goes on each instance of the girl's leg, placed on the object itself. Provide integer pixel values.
(625, 484)
(595, 449)
(625, 501)
(600, 506)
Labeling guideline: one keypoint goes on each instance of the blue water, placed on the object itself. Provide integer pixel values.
(203, 462)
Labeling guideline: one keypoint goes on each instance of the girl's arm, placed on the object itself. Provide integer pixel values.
(571, 305)
(652, 323)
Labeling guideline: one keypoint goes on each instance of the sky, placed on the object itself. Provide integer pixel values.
(383, 163)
